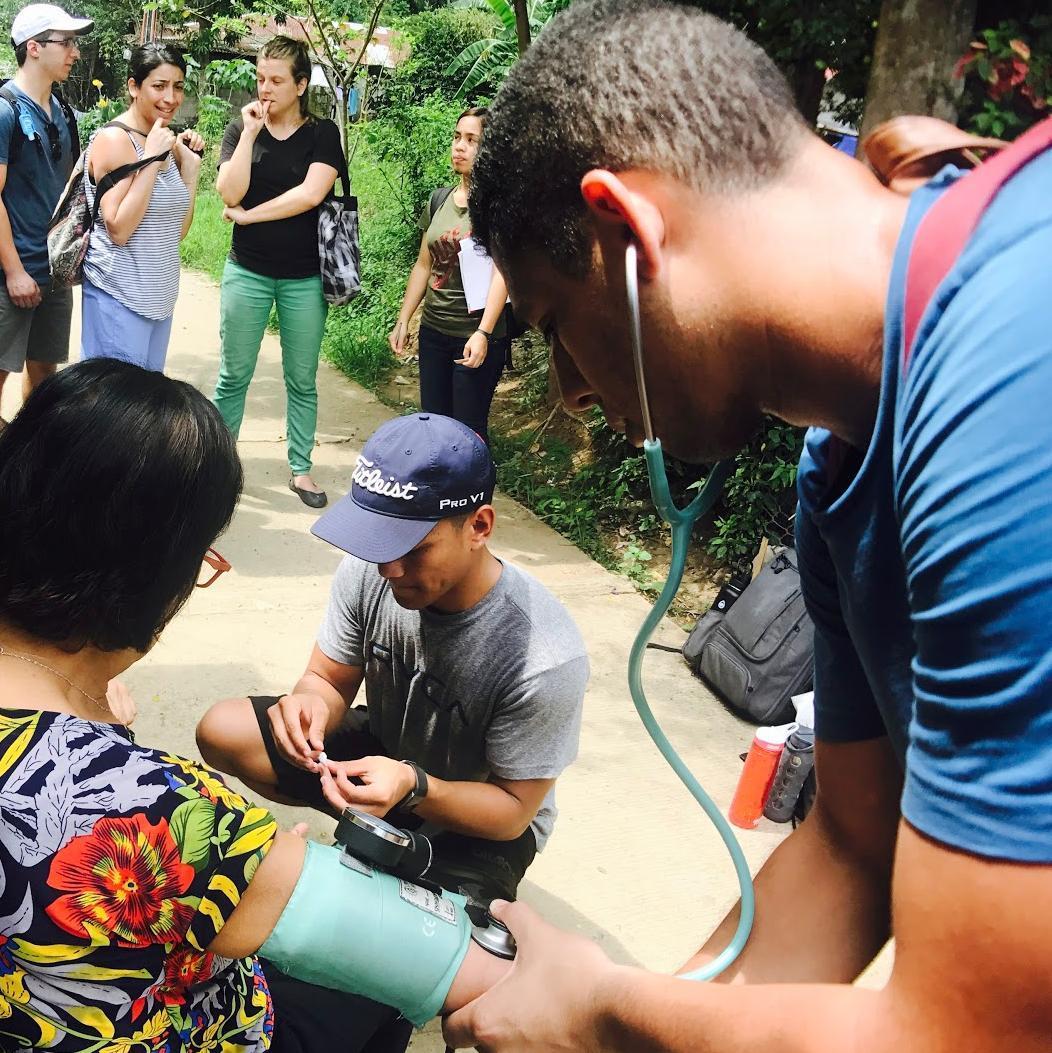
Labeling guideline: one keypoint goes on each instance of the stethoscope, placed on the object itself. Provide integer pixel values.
(682, 521)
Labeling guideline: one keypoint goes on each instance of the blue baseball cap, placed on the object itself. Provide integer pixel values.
(413, 472)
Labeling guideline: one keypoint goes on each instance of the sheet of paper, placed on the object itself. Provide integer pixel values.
(476, 270)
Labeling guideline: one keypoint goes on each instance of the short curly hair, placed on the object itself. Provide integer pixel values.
(622, 84)
(114, 481)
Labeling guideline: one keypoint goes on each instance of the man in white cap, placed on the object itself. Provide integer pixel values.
(38, 146)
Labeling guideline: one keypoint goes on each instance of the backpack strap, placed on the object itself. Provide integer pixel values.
(18, 135)
(949, 223)
(438, 199)
(71, 121)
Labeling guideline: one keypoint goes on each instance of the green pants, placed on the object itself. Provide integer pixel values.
(245, 302)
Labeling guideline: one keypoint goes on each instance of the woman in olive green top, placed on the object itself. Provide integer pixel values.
(462, 355)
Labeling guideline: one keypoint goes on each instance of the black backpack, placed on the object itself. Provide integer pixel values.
(18, 135)
(759, 651)
(513, 326)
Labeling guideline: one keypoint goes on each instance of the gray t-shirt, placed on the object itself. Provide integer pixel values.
(496, 689)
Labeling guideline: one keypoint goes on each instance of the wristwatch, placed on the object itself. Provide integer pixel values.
(418, 792)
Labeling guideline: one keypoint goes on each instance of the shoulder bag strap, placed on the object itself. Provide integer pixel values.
(949, 223)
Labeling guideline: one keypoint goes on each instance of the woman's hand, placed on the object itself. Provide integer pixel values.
(254, 116)
(159, 141)
(236, 214)
(188, 149)
(475, 351)
(398, 338)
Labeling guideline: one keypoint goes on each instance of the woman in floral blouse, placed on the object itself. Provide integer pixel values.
(135, 886)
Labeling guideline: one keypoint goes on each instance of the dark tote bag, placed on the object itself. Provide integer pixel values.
(338, 248)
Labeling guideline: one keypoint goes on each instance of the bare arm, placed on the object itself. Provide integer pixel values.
(972, 972)
(188, 149)
(314, 708)
(268, 894)
(309, 194)
(498, 810)
(495, 301)
(476, 348)
(21, 288)
(831, 878)
(415, 290)
(235, 174)
(125, 204)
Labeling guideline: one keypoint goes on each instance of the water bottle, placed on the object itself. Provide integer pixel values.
(756, 778)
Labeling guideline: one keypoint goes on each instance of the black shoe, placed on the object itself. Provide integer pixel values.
(309, 497)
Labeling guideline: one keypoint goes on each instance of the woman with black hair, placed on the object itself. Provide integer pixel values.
(462, 353)
(131, 270)
(135, 886)
(276, 166)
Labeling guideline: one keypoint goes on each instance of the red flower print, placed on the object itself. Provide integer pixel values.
(182, 969)
(122, 881)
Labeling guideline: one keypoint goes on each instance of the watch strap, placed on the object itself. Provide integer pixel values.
(418, 792)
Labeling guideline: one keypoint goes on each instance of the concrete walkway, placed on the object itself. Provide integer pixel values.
(633, 862)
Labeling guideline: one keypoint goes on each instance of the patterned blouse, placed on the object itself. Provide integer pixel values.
(118, 867)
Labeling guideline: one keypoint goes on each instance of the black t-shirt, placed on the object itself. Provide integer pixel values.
(283, 248)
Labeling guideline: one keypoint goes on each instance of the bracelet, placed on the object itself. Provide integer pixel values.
(488, 336)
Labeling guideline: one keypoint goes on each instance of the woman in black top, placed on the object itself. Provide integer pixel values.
(276, 165)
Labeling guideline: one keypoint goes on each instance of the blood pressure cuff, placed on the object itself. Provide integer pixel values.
(356, 929)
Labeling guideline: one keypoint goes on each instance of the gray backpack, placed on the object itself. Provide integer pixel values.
(758, 652)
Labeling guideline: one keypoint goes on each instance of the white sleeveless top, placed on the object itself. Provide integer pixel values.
(144, 273)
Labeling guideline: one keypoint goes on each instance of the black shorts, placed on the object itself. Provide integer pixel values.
(480, 869)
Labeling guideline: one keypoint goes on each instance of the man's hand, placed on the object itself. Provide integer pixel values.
(23, 291)
(297, 723)
(547, 1001)
(384, 782)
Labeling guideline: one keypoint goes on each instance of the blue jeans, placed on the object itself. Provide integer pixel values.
(111, 330)
(457, 391)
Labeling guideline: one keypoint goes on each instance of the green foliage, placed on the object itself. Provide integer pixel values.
(91, 120)
(487, 61)
(435, 38)
(207, 243)
(1007, 75)
(411, 145)
(759, 498)
(230, 75)
(213, 115)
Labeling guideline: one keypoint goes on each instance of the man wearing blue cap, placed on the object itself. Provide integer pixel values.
(474, 673)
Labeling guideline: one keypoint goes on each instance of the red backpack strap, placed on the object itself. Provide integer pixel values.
(948, 224)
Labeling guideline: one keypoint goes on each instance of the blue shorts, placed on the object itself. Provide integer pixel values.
(111, 330)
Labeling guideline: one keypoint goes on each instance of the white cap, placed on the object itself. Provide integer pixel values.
(35, 19)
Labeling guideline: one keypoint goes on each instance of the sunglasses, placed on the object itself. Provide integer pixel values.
(219, 567)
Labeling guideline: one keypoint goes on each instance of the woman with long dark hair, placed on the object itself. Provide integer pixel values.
(462, 354)
(277, 164)
(131, 271)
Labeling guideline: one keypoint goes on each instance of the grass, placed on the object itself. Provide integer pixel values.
(207, 243)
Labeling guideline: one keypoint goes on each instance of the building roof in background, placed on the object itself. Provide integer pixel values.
(388, 48)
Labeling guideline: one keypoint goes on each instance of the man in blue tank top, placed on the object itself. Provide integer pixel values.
(772, 277)
(38, 147)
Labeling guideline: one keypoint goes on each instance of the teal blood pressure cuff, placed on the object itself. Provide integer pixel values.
(356, 929)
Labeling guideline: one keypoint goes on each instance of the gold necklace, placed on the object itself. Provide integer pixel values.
(99, 703)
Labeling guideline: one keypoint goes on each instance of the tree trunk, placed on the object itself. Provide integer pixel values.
(522, 24)
(918, 42)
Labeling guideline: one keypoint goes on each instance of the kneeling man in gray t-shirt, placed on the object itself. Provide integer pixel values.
(474, 673)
